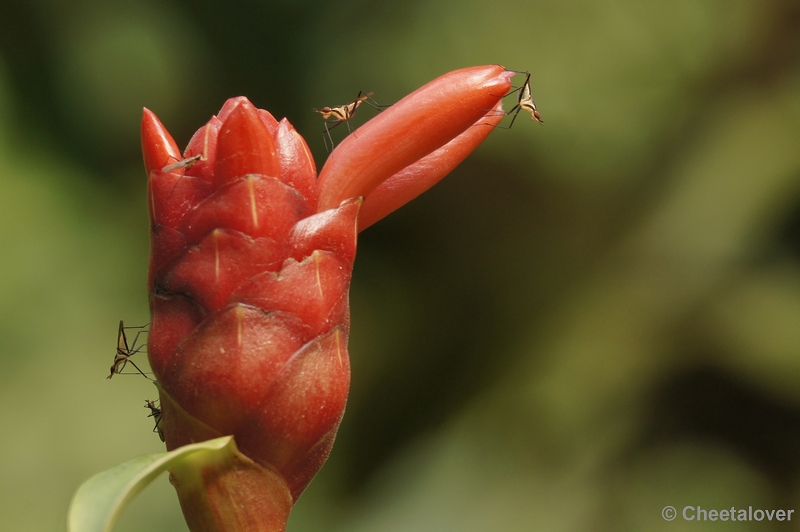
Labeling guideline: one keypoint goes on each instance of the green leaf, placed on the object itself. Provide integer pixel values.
(99, 501)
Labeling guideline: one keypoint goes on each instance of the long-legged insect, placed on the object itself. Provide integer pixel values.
(183, 163)
(524, 101)
(344, 113)
(124, 353)
(155, 413)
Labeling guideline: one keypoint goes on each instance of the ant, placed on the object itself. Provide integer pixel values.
(155, 413)
(124, 353)
(344, 113)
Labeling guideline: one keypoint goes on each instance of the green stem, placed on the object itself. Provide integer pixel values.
(231, 493)
(225, 492)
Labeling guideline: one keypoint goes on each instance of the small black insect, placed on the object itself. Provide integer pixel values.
(155, 413)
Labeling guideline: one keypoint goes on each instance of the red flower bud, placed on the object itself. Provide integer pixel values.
(420, 123)
(250, 266)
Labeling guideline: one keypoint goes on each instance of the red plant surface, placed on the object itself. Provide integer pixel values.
(250, 265)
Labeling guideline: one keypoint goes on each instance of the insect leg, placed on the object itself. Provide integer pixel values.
(138, 369)
(328, 128)
(518, 109)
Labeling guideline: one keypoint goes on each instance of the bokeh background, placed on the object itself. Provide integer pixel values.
(585, 322)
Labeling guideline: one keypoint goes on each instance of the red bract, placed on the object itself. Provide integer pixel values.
(249, 274)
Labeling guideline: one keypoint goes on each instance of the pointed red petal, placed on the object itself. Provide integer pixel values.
(172, 318)
(255, 205)
(244, 146)
(268, 120)
(297, 165)
(314, 290)
(204, 143)
(172, 196)
(166, 245)
(229, 105)
(222, 371)
(304, 409)
(333, 230)
(224, 261)
(158, 147)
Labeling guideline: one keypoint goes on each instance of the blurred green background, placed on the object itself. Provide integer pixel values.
(585, 322)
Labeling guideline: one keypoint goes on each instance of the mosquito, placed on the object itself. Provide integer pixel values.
(524, 101)
(183, 163)
(124, 353)
(344, 113)
(155, 413)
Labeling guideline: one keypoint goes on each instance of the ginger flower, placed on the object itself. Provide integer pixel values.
(250, 266)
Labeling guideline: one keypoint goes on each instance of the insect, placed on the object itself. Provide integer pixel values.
(344, 113)
(124, 353)
(524, 101)
(183, 163)
(155, 413)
